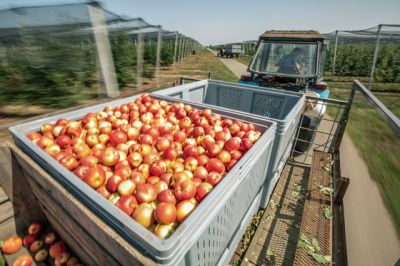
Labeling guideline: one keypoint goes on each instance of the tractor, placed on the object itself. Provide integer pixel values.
(293, 61)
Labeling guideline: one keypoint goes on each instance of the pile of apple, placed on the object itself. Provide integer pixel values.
(153, 160)
(41, 245)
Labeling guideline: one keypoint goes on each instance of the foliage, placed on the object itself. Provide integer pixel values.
(46, 70)
(313, 249)
(124, 54)
(355, 59)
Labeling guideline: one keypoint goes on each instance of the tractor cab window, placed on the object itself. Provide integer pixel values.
(286, 59)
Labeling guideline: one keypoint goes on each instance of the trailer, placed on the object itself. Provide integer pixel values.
(230, 51)
(309, 191)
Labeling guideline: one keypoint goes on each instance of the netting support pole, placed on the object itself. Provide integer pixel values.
(371, 76)
(158, 57)
(334, 54)
(175, 49)
(184, 47)
(139, 62)
(180, 48)
(103, 47)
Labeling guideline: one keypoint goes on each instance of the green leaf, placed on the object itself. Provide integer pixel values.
(328, 213)
(2, 260)
(326, 190)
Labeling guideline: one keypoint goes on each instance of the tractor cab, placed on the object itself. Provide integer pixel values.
(291, 60)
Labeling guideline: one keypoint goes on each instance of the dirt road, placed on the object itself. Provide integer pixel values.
(370, 234)
(237, 68)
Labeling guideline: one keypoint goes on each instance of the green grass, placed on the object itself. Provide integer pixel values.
(377, 144)
(206, 61)
(244, 59)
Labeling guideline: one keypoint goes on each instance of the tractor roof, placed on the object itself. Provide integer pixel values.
(292, 34)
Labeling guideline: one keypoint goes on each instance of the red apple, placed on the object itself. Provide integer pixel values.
(118, 137)
(158, 168)
(89, 160)
(127, 204)
(215, 165)
(63, 141)
(110, 157)
(34, 136)
(160, 186)
(50, 238)
(23, 260)
(190, 151)
(163, 143)
(236, 155)
(113, 183)
(165, 213)
(179, 136)
(144, 215)
(102, 190)
(200, 172)
(213, 178)
(81, 171)
(184, 209)
(36, 246)
(202, 160)
(184, 190)
(202, 190)
(170, 153)
(69, 162)
(28, 240)
(44, 142)
(190, 163)
(62, 259)
(41, 255)
(233, 144)
(163, 230)
(153, 179)
(95, 177)
(146, 193)
(167, 196)
(146, 139)
(126, 187)
(81, 150)
(224, 156)
(138, 178)
(124, 172)
(35, 228)
(246, 144)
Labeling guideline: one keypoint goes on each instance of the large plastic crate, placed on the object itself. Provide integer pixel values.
(206, 235)
(281, 106)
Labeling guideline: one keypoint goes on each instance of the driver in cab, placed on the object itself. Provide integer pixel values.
(290, 64)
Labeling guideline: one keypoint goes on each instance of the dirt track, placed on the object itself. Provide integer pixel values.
(370, 233)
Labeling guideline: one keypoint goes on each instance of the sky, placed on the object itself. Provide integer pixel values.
(224, 21)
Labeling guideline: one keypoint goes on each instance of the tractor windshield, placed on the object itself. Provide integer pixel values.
(285, 59)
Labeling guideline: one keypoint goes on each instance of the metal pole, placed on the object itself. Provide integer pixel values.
(183, 47)
(158, 57)
(180, 48)
(106, 62)
(139, 62)
(175, 48)
(371, 77)
(334, 54)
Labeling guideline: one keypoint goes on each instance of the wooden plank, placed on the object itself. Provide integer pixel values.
(17, 189)
(314, 224)
(117, 246)
(6, 170)
(85, 247)
(3, 195)
(8, 228)
(6, 211)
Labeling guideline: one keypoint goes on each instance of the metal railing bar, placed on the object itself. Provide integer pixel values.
(390, 118)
